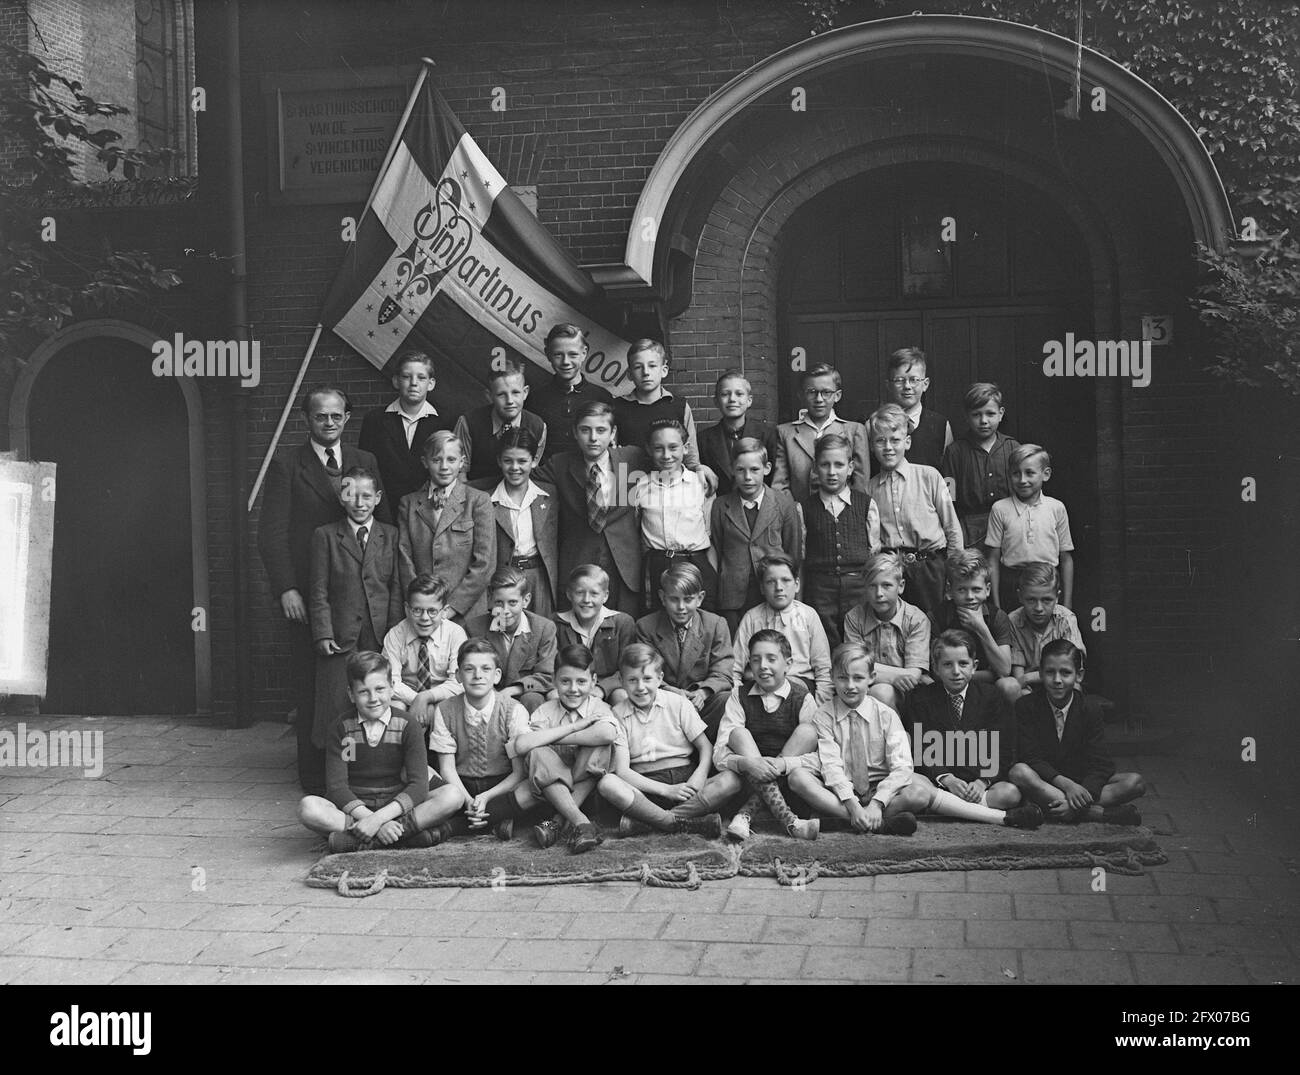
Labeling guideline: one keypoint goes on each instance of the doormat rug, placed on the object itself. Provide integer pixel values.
(682, 861)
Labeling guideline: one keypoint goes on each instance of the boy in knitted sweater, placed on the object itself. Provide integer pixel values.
(375, 774)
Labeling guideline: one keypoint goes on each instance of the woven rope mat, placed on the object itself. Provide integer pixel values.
(679, 861)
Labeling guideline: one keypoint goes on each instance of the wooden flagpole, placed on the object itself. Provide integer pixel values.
(425, 64)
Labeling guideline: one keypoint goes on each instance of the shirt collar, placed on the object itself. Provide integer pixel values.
(1026, 505)
(915, 416)
(686, 477)
(865, 709)
(571, 618)
(472, 710)
(369, 524)
(757, 501)
(843, 495)
(320, 450)
(1065, 708)
(500, 496)
(903, 470)
(605, 463)
(627, 709)
(446, 490)
(663, 394)
(782, 691)
(524, 628)
(805, 420)
(870, 618)
(383, 718)
(498, 424)
(426, 410)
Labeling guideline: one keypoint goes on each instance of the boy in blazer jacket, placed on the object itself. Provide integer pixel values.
(795, 462)
(302, 493)
(930, 716)
(1065, 766)
(718, 443)
(514, 494)
(396, 434)
(695, 645)
(355, 596)
(448, 530)
(744, 534)
(524, 642)
(614, 543)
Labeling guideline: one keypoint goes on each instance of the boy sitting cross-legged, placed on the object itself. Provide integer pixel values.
(1064, 763)
(865, 755)
(767, 733)
(661, 751)
(958, 704)
(375, 773)
(567, 746)
(471, 736)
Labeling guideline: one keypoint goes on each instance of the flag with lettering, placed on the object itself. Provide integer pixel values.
(450, 260)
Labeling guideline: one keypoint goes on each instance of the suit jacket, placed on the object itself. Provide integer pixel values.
(1080, 754)
(794, 455)
(705, 661)
(579, 544)
(300, 497)
(777, 529)
(346, 585)
(715, 450)
(984, 710)
(460, 549)
(383, 434)
(545, 512)
(529, 661)
(612, 635)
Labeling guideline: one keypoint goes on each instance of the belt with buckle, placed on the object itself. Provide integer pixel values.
(672, 553)
(911, 556)
(525, 563)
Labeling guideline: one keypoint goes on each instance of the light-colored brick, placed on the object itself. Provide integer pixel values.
(1124, 936)
(1157, 969)
(857, 964)
(547, 955)
(1007, 933)
(868, 905)
(713, 927)
(1076, 968)
(650, 957)
(914, 933)
(987, 966)
(1095, 906)
(964, 905)
(745, 961)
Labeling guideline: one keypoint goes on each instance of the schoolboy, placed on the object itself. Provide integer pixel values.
(556, 402)
(767, 732)
(604, 631)
(448, 529)
(782, 611)
(421, 650)
(908, 382)
(375, 772)
(1029, 527)
(1040, 619)
(695, 645)
(528, 517)
(354, 596)
(748, 524)
(661, 752)
(1064, 764)
(672, 503)
(975, 464)
(598, 524)
(896, 634)
(867, 782)
(649, 401)
(967, 607)
(470, 737)
(718, 443)
(795, 441)
(917, 517)
(396, 434)
(524, 642)
(479, 429)
(842, 531)
(956, 703)
(568, 746)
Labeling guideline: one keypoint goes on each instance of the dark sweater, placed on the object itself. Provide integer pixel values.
(771, 730)
(376, 772)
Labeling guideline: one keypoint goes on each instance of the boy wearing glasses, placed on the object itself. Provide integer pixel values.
(929, 429)
(421, 651)
(795, 469)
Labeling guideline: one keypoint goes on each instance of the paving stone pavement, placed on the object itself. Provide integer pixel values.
(183, 862)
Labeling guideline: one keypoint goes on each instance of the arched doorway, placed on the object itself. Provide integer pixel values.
(129, 561)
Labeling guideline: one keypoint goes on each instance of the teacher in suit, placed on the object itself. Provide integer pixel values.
(302, 493)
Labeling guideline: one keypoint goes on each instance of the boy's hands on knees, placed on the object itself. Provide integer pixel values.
(975, 791)
(677, 793)
(759, 770)
(369, 826)
(1060, 810)
(390, 832)
(875, 816)
(293, 606)
(858, 816)
(477, 810)
(954, 785)
(327, 647)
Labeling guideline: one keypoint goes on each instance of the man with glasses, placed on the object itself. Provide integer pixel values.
(795, 440)
(302, 493)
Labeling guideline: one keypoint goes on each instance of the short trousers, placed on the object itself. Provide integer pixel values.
(546, 767)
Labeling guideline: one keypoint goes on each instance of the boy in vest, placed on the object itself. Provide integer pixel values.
(478, 430)
(842, 530)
